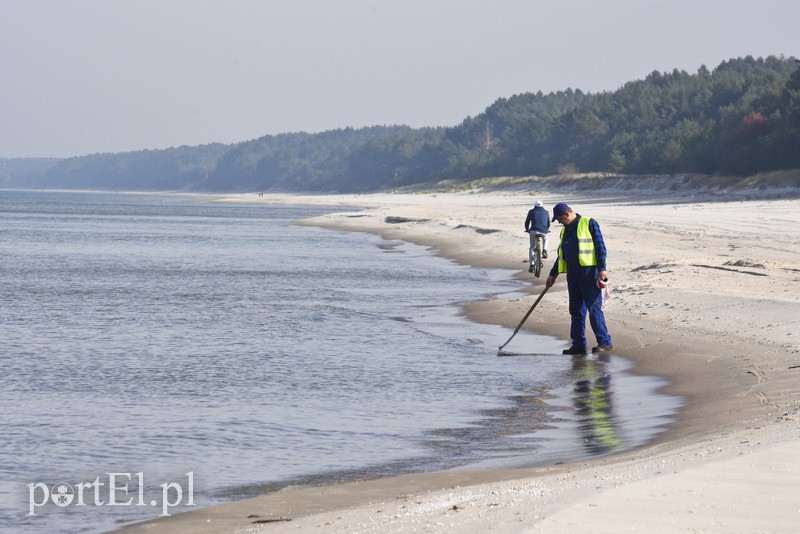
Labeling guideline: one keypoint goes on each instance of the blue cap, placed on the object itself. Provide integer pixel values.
(558, 210)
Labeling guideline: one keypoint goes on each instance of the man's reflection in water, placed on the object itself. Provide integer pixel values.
(593, 403)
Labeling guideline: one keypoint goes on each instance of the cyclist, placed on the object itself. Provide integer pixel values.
(537, 224)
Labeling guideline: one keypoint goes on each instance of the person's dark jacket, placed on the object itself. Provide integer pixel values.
(538, 220)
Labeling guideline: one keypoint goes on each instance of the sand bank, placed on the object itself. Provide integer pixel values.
(705, 293)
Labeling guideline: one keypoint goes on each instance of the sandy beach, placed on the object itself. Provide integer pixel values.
(704, 293)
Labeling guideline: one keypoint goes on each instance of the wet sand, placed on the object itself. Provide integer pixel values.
(704, 293)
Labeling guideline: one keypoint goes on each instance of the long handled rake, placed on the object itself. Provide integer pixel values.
(524, 319)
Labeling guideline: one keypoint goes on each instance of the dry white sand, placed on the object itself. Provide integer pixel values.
(705, 293)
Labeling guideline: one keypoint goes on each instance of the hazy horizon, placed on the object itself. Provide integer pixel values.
(94, 76)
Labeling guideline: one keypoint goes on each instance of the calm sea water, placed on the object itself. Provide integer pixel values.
(222, 351)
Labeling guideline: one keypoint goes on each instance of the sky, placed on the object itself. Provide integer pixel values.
(90, 76)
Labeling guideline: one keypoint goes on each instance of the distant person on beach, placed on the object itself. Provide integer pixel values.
(582, 256)
(537, 224)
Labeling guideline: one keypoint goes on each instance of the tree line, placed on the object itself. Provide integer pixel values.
(742, 117)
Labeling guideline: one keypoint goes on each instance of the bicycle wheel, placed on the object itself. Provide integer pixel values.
(537, 258)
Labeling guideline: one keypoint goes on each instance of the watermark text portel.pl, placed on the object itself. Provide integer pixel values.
(111, 492)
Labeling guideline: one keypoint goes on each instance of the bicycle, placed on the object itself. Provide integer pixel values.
(535, 255)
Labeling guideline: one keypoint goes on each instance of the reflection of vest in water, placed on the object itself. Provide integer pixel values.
(594, 400)
(601, 416)
(586, 253)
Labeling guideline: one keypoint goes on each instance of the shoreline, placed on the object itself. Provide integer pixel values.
(688, 303)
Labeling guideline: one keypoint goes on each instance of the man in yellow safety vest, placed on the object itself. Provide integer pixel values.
(582, 256)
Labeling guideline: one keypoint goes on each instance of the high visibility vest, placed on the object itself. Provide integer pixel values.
(586, 253)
